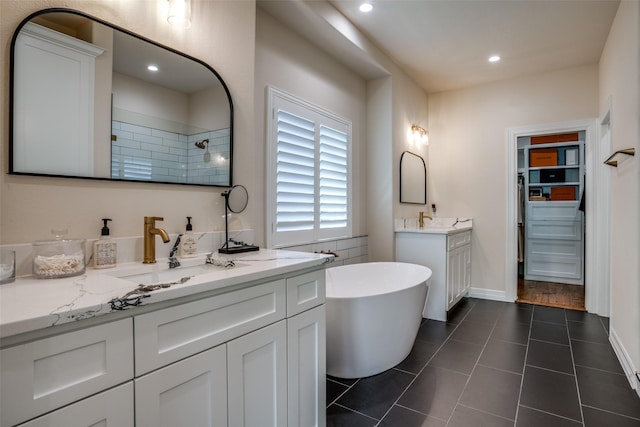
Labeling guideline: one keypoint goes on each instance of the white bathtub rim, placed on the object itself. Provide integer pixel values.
(362, 287)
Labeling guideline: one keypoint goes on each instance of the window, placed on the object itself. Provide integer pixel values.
(309, 174)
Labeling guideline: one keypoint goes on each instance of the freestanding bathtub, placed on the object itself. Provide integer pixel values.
(374, 311)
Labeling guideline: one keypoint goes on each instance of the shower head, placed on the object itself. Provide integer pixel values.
(202, 144)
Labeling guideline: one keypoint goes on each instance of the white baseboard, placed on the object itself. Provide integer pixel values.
(627, 364)
(490, 294)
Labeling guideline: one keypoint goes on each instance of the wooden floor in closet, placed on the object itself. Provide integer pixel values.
(550, 294)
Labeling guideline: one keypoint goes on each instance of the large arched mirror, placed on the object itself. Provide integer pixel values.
(92, 100)
(413, 179)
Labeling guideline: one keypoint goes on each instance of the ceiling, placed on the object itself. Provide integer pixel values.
(445, 44)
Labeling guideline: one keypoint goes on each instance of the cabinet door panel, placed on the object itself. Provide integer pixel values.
(467, 270)
(192, 392)
(52, 372)
(305, 291)
(257, 378)
(112, 408)
(306, 357)
(454, 268)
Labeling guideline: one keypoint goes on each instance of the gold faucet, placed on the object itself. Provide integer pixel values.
(150, 231)
(423, 215)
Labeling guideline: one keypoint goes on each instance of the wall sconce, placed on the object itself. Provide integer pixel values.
(179, 13)
(419, 134)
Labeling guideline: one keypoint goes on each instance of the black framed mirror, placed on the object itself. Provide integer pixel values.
(413, 179)
(86, 102)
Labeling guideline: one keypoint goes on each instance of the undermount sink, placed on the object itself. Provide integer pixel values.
(161, 273)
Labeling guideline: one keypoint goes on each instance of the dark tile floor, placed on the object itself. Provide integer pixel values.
(496, 364)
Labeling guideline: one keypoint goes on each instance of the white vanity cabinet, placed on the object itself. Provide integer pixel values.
(306, 367)
(257, 376)
(448, 255)
(267, 369)
(250, 356)
(43, 375)
(113, 407)
(458, 267)
(189, 392)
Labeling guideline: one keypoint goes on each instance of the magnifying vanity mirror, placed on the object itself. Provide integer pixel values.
(413, 179)
(235, 200)
(92, 100)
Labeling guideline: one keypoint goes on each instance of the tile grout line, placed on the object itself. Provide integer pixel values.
(573, 366)
(524, 365)
(424, 367)
(551, 413)
(341, 394)
(358, 412)
(612, 413)
(472, 371)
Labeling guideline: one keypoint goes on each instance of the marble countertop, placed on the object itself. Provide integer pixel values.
(445, 226)
(30, 304)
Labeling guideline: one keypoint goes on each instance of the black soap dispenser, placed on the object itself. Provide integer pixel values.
(105, 249)
(188, 243)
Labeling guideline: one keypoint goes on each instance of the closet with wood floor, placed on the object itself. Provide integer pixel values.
(551, 219)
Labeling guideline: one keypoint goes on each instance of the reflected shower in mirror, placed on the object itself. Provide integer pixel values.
(92, 100)
(413, 179)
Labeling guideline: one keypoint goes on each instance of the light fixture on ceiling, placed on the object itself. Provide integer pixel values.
(494, 58)
(179, 13)
(419, 134)
(152, 67)
(366, 7)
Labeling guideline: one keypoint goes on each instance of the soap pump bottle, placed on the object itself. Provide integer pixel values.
(105, 249)
(188, 242)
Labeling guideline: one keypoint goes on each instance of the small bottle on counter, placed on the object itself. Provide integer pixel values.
(105, 249)
(188, 242)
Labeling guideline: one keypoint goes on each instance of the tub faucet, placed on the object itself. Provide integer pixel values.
(150, 231)
(421, 218)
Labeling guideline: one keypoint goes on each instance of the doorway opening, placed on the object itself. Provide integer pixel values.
(551, 186)
(585, 269)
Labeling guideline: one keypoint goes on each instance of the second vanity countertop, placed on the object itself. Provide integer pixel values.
(30, 304)
(445, 226)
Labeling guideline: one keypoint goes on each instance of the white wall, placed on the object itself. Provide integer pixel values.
(222, 35)
(619, 75)
(468, 152)
(380, 169)
(410, 107)
(289, 63)
(139, 96)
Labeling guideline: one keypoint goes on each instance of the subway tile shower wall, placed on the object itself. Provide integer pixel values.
(145, 153)
(350, 251)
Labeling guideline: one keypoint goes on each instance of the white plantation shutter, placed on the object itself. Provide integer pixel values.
(333, 179)
(308, 173)
(295, 173)
(131, 168)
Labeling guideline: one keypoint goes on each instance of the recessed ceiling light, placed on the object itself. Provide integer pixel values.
(494, 58)
(366, 7)
(152, 67)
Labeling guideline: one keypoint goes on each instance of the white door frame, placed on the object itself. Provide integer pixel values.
(595, 228)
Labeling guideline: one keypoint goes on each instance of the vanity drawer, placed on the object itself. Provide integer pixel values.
(457, 240)
(52, 372)
(165, 336)
(113, 407)
(305, 291)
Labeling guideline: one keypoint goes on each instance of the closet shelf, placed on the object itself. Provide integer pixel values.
(614, 163)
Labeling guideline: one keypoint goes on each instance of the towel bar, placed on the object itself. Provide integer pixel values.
(614, 163)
